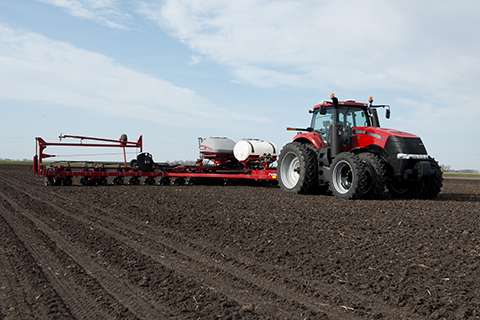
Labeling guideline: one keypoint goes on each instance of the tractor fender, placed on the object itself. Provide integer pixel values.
(312, 138)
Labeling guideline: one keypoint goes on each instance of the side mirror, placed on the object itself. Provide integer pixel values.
(387, 113)
(323, 110)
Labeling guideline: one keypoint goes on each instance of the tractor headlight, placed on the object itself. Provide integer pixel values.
(405, 156)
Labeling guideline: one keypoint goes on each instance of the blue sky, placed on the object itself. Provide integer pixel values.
(175, 70)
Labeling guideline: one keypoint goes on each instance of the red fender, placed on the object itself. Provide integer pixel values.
(313, 138)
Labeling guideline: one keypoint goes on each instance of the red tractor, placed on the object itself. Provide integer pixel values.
(347, 153)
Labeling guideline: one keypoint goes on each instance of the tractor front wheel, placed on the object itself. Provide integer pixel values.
(400, 189)
(430, 186)
(426, 187)
(349, 176)
(297, 168)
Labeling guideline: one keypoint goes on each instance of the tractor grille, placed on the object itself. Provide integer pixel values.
(396, 145)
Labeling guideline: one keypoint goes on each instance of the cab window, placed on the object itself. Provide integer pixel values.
(353, 117)
(321, 122)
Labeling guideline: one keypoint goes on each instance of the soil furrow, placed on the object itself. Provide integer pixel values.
(232, 262)
(235, 265)
(241, 285)
(181, 246)
(85, 292)
(138, 269)
(13, 302)
(248, 271)
(128, 297)
(34, 277)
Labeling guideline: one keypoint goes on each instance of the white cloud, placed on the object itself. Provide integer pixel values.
(105, 12)
(39, 70)
(338, 44)
(195, 60)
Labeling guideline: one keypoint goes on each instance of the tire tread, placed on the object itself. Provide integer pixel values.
(308, 181)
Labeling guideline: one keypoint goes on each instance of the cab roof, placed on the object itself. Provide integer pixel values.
(348, 103)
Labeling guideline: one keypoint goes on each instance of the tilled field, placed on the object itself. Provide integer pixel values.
(202, 252)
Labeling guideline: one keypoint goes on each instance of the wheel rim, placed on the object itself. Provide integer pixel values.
(342, 176)
(290, 170)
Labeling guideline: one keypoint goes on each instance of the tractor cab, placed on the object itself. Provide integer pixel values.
(344, 118)
(349, 113)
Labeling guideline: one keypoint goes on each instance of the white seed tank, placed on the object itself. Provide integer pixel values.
(216, 145)
(253, 148)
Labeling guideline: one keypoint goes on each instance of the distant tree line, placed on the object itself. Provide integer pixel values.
(447, 168)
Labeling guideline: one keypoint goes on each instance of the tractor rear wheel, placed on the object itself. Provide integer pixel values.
(297, 168)
(377, 172)
(349, 176)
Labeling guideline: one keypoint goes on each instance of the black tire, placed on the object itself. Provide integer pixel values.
(135, 181)
(318, 188)
(400, 189)
(57, 181)
(67, 181)
(377, 171)
(164, 181)
(102, 181)
(48, 181)
(427, 187)
(118, 181)
(430, 186)
(84, 181)
(150, 181)
(179, 182)
(348, 176)
(301, 159)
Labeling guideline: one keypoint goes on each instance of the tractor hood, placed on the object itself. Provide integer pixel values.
(390, 140)
(393, 132)
(384, 133)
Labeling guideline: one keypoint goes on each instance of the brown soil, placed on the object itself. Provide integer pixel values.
(203, 252)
